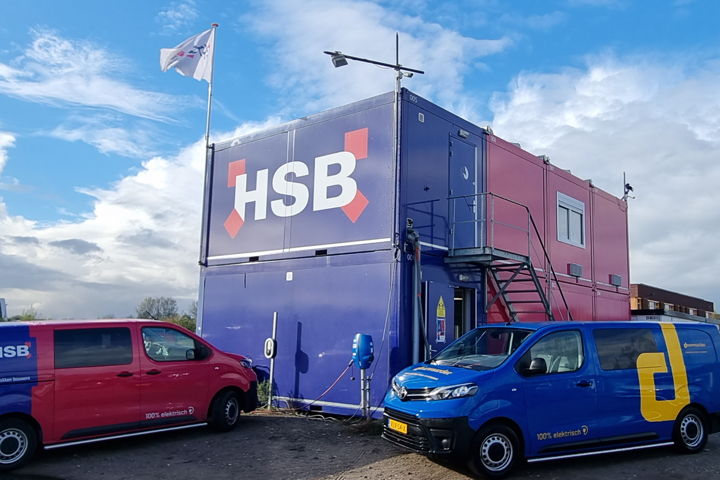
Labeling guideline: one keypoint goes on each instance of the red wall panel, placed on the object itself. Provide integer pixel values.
(519, 176)
(611, 306)
(610, 241)
(562, 253)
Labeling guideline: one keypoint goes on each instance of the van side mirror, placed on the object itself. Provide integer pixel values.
(190, 354)
(538, 366)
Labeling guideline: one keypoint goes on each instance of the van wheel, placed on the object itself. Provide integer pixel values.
(495, 451)
(225, 411)
(18, 442)
(690, 432)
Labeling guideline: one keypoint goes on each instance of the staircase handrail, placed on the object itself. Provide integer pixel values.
(537, 234)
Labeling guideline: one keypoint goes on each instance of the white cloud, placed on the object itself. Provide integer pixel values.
(55, 70)
(141, 239)
(300, 30)
(659, 121)
(109, 135)
(541, 22)
(7, 140)
(178, 17)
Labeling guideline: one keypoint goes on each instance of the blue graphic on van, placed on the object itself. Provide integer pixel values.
(18, 369)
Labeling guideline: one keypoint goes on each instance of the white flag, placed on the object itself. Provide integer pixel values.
(192, 58)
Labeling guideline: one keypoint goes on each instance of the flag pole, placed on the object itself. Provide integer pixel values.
(210, 85)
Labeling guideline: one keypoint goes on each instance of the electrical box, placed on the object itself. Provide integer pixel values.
(575, 270)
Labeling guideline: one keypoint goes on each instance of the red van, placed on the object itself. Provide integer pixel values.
(73, 382)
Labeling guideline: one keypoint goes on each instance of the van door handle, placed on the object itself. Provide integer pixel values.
(153, 372)
(125, 374)
(585, 383)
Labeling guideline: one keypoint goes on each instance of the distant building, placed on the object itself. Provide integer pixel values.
(652, 303)
(3, 309)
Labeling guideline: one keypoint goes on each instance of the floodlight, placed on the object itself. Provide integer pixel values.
(338, 59)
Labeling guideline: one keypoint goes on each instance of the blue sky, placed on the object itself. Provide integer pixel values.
(101, 157)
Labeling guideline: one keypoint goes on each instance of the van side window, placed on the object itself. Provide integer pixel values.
(555, 353)
(168, 345)
(92, 347)
(619, 348)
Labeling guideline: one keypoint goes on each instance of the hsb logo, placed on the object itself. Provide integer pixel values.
(297, 195)
(12, 351)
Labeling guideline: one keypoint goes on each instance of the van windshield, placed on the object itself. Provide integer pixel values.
(482, 348)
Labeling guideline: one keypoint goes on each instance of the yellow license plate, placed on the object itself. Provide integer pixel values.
(397, 426)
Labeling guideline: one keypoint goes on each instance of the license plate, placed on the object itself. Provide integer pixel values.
(397, 426)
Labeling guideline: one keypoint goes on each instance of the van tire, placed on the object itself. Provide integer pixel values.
(495, 451)
(18, 443)
(225, 411)
(690, 432)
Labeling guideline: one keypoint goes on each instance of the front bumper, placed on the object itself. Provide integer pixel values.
(443, 436)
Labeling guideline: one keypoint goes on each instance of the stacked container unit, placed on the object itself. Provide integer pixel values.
(309, 220)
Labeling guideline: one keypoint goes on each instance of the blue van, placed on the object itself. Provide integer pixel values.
(500, 394)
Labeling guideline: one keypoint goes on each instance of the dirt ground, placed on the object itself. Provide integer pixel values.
(287, 446)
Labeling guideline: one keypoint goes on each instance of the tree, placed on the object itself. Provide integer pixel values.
(184, 321)
(157, 308)
(192, 311)
(29, 315)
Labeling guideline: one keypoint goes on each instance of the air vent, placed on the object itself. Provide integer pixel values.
(575, 270)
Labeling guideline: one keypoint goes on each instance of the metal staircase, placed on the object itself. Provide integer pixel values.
(479, 244)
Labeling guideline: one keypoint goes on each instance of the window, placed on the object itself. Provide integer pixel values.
(168, 345)
(570, 220)
(619, 348)
(561, 352)
(92, 347)
(482, 349)
(652, 304)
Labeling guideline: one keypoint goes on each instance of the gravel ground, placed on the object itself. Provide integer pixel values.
(294, 447)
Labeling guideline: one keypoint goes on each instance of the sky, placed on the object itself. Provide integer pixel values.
(101, 153)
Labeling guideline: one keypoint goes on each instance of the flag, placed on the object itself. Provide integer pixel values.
(192, 58)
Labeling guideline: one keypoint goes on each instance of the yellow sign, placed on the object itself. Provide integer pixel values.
(440, 312)
(648, 364)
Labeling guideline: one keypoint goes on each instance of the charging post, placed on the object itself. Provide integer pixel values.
(270, 350)
(363, 355)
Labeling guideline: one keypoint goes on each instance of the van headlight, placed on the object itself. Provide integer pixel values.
(246, 362)
(453, 391)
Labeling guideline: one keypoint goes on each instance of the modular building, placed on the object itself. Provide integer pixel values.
(395, 218)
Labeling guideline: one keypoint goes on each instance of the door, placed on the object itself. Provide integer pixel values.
(635, 394)
(96, 381)
(174, 385)
(462, 178)
(560, 397)
(465, 310)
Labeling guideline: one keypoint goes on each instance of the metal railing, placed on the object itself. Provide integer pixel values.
(492, 224)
